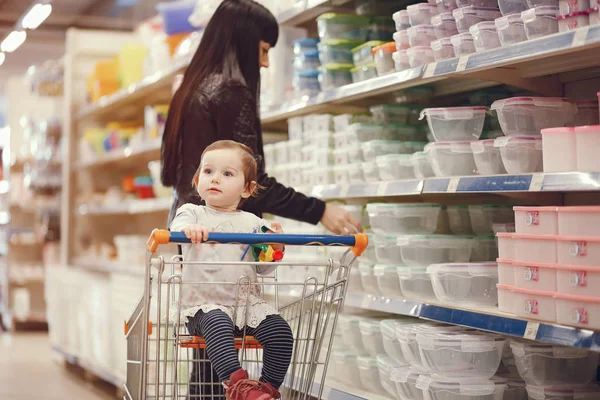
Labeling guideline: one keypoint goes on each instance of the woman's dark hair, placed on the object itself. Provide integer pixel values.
(229, 47)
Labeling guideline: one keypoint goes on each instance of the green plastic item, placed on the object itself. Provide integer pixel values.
(336, 67)
(346, 19)
(363, 67)
(342, 43)
(371, 44)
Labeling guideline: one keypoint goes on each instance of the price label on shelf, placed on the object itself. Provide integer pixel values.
(537, 181)
(453, 185)
(382, 188)
(429, 70)
(531, 330)
(462, 63)
(580, 36)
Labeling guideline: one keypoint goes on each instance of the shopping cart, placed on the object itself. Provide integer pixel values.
(165, 362)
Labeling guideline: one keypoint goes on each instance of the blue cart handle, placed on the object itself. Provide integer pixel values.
(358, 243)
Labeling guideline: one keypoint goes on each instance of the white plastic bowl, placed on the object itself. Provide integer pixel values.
(416, 284)
(472, 355)
(484, 216)
(387, 250)
(369, 375)
(470, 285)
(451, 158)
(405, 379)
(421, 251)
(544, 364)
(540, 21)
(459, 220)
(455, 123)
(442, 388)
(422, 165)
(521, 154)
(387, 280)
(468, 16)
(485, 36)
(442, 49)
(444, 25)
(463, 44)
(418, 219)
(511, 29)
(487, 157)
(527, 116)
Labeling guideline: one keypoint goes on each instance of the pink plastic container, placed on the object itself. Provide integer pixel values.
(477, 3)
(506, 298)
(537, 249)
(444, 25)
(583, 250)
(401, 19)
(540, 21)
(442, 49)
(401, 60)
(587, 112)
(463, 44)
(573, 21)
(401, 39)
(506, 247)
(421, 13)
(419, 55)
(558, 145)
(536, 220)
(485, 36)
(578, 280)
(466, 17)
(587, 141)
(421, 35)
(445, 5)
(570, 6)
(580, 311)
(506, 271)
(535, 276)
(579, 221)
(511, 29)
(535, 304)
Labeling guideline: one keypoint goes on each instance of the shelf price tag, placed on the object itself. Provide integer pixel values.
(531, 330)
(429, 70)
(453, 185)
(462, 63)
(537, 182)
(580, 36)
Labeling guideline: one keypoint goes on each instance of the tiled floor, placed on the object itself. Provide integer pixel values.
(28, 372)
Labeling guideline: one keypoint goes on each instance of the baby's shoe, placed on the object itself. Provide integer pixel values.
(240, 387)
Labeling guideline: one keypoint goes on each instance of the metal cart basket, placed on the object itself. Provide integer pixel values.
(165, 362)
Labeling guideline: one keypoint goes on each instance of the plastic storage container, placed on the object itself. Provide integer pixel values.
(387, 280)
(416, 284)
(536, 220)
(526, 116)
(363, 54)
(370, 331)
(421, 13)
(360, 133)
(576, 310)
(363, 73)
(390, 343)
(391, 113)
(477, 3)
(587, 114)
(421, 251)
(484, 216)
(369, 375)
(535, 276)
(512, 7)
(545, 248)
(407, 337)
(419, 55)
(445, 5)
(587, 148)
(375, 148)
(401, 60)
(459, 220)
(559, 146)
(573, 250)
(405, 379)
(485, 36)
(463, 44)
(402, 20)
(534, 304)
(306, 83)
(401, 39)
(573, 21)
(422, 165)
(469, 355)
(336, 51)
(540, 21)
(442, 49)
(440, 388)
(486, 249)
(367, 278)
(468, 16)
(471, 285)
(309, 60)
(384, 63)
(571, 392)
(566, 7)
(506, 271)
(175, 16)
(506, 298)
(455, 123)
(303, 45)
(386, 365)
(543, 364)
(349, 324)
(393, 167)
(345, 368)
(511, 29)
(387, 250)
(578, 280)
(579, 221)
(444, 25)
(342, 26)
(521, 154)
(420, 35)
(451, 158)
(487, 157)
(332, 76)
(418, 219)
(381, 28)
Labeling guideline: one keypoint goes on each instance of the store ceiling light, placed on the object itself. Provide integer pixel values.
(13, 41)
(36, 15)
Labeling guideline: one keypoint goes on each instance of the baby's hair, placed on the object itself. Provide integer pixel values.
(248, 162)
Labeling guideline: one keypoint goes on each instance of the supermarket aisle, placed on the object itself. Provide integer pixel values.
(27, 372)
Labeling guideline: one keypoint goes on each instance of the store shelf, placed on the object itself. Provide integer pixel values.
(141, 151)
(307, 11)
(127, 207)
(97, 371)
(490, 319)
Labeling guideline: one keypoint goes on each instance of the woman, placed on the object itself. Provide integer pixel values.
(218, 100)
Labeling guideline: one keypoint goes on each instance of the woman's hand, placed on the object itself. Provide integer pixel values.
(196, 233)
(339, 221)
(276, 228)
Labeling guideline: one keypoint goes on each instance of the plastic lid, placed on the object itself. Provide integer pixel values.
(473, 269)
(531, 101)
(342, 43)
(518, 140)
(482, 26)
(438, 19)
(372, 43)
(419, 49)
(480, 146)
(588, 129)
(507, 20)
(501, 286)
(336, 67)
(386, 363)
(439, 240)
(419, 29)
(422, 7)
(307, 42)
(454, 147)
(367, 362)
(473, 342)
(537, 208)
(400, 14)
(533, 292)
(439, 43)
(543, 11)
(561, 129)
(487, 13)
(380, 269)
(387, 48)
(406, 373)
(573, 15)
(577, 298)
(403, 158)
(534, 237)
(461, 37)
(369, 326)
(467, 388)
(310, 54)
(307, 73)
(350, 19)
(592, 239)
(576, 392)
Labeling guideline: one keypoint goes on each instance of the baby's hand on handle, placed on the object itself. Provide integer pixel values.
(196, 233)
(276, 228)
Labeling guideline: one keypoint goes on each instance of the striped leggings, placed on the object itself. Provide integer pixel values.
(273, 334)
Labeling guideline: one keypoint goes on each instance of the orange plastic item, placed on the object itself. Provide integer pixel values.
(360, 245)
(128, 186)
(198, 342)
(175, 40)
(388, 48)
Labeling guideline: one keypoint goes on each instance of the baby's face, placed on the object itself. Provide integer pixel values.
(221, 182)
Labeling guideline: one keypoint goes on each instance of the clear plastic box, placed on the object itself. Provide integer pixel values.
(422, 165)
(459, 220)
(562, 392)
(345, 368)
(370, 171)
(544, 364)
(463, 44)
(444, 25)
(390, 343)
(384, 63)
(521, 154)
(485, 36)
(401, 39)
(375, 148)
(336, 51)
(442, 49)
(587, 114)
(421, 35)
(391, 113)
(363, 54)
(485, 250)
(439, 388)
(393, 167)
(417, 219)
(468, 16)
(370, 331)
(455, 123)
(386, 365)
(342, 26)
(511, 7)
(349, 324)
(369, 375)
(542, 3)
(386, 249)
(472, 355)
(484, 216)
(540, 21)
(332, 76)
(343, 121)
(367, 278)
(419, 55)
(465, 284)
(451, 158)
(401, 60)
(405, 379)
(421, 13)
(401, 19)
(488, 159)
(511, 29)
(309, 60)
(445, 5)
(363, 73)
(416, 284)
(421, 251)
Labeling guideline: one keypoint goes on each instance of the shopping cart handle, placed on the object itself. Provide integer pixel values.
(357, 243)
